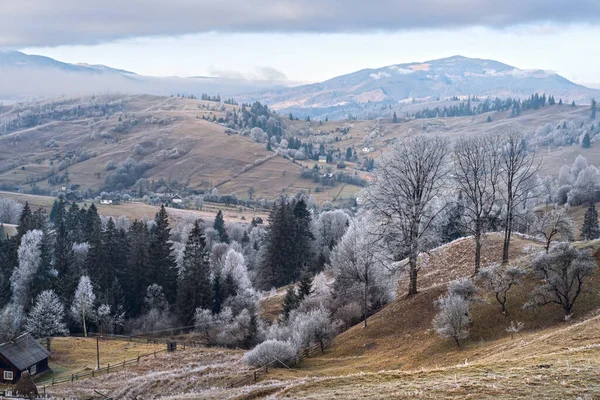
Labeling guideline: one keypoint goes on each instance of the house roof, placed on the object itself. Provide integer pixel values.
(23, 352)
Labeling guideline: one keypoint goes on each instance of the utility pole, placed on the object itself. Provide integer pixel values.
(98, 351)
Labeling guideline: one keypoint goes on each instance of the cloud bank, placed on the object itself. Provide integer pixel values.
(71, 22)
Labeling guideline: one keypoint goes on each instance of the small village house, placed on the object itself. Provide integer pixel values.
(22, 354)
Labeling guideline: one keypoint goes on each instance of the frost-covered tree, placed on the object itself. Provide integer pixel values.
(357, 268)
(155, 298)
(500, 279)
(477, 170)
(453, 319)
(465, 288)
(82, 308)
(587, 186)
(235, 266)
(563, 270)
(328, 228)
(204, 321)
(590, 229)
(313, 327)
(10, 210)
(408, 179)
(46, 318)
(11, 320)
(29, 255)
(554, 224)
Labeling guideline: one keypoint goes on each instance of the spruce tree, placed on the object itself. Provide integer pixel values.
(63, 249)
(25, 221)
(194, 284)
(162, 264)
(219, 226)
(290, 302)
(138, 262)
(94, 262)
(590, 229)
(586, 143)
(394, 118)
(305, 286)
(302, 240)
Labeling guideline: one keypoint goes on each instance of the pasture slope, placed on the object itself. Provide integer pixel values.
(399, 356)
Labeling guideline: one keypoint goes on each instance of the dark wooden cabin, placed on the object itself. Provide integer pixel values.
(22, 354)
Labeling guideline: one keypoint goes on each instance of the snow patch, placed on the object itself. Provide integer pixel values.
(379, 75)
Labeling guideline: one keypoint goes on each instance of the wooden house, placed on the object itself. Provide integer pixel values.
(22, 354)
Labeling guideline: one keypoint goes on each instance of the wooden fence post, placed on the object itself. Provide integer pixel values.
(108, 368)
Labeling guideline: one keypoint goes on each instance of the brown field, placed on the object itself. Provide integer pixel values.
(138, 210)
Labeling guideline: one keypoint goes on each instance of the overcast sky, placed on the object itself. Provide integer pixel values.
(305, 40)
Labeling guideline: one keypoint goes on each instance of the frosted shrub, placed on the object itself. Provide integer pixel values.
(272, 350)
(463, 287)
(453, 319)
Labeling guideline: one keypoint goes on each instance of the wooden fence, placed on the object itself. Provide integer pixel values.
(97, 372)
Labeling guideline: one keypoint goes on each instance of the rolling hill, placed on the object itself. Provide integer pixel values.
(172, 138)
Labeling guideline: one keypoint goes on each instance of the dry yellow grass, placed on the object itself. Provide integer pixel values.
(71, 355)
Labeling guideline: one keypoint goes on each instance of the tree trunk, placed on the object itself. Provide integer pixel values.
(83, 319)
(477, 249)
(412, 258)
(365, 303)
(507, 235)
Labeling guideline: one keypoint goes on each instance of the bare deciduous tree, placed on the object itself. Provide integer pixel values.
(554, 224)
(408, 179)
(500, 279)
(519, 170)
(477, 173)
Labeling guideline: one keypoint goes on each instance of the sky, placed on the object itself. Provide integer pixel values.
(305, 40)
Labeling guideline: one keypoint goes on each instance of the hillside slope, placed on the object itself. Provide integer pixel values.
(166, 138)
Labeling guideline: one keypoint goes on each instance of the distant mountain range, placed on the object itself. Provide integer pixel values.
(430, 80)
(29, 76)
(26, 77)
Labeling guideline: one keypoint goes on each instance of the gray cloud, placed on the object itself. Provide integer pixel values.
(63, 22)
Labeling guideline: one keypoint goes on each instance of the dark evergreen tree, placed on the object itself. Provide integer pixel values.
(194, 285)
(138, 262)
(230, 287)
(394, 118)
(219, 226)
(63, 251)
(218, 295)
(25, 221)
(92, 232)
(250, 338)
(163, 269)
(302, 240)
(290, 302)
(590, 229)
(277, 264)
(74, 223)
(586, 143)
(305, 286)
